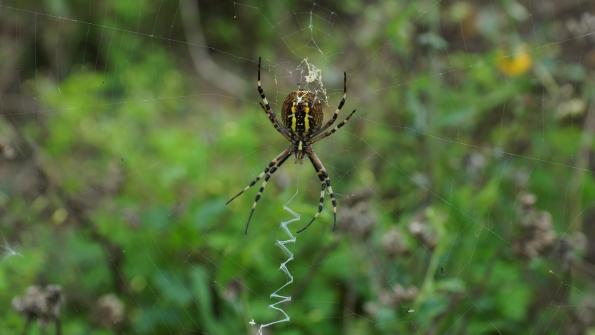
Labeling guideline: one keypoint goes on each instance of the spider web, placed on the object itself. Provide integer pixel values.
(306, 37)
(311, 77)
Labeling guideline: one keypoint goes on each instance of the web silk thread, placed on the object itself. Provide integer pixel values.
(313, 79)
(283, 267)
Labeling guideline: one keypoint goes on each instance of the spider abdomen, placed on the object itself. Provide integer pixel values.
(302, 113)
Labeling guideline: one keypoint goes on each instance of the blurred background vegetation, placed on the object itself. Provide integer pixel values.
(465, 181)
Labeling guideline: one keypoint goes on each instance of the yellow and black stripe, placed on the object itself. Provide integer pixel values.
(301, 114)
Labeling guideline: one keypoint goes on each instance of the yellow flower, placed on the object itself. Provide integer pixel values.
(515, 64)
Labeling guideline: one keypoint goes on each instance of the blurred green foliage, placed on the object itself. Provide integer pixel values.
(465, 181)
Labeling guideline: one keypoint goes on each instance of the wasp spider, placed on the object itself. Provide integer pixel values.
(302, 126)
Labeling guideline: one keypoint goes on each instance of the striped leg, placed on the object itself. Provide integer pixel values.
(336, 114)
(325, 182)
(333, 201)
(267, 108)
(275, 162)
(277, 125)
(332, 131)
(280, 160)
(320, 204)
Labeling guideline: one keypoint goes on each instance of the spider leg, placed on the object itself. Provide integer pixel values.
(275, 162)
(277, 125)
(332, 131)
(280, 160)
(267, 108)
(325, 182)
(336, 114)
(320, 204)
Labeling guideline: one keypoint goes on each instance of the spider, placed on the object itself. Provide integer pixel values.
(302, 126)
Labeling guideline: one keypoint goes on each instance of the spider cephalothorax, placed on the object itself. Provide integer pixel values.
(302, 126)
